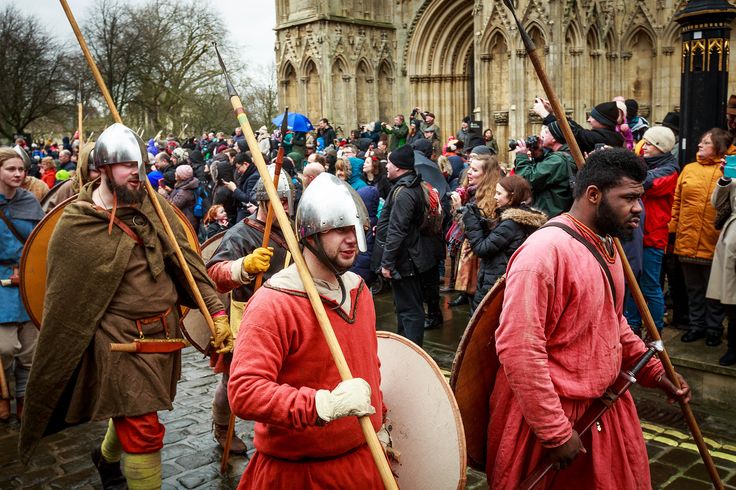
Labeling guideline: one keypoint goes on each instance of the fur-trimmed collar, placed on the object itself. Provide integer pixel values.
(525, 216)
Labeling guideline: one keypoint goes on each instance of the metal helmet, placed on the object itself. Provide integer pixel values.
(330, 203)
(23, 154)
(285, 191)
(119, 144)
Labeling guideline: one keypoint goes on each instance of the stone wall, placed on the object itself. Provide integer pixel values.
(362, 60)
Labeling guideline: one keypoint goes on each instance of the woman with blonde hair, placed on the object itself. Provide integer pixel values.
(478, 188)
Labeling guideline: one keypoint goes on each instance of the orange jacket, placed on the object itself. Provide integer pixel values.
(693, 216)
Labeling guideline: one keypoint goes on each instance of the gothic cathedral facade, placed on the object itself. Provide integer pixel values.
(358, 61)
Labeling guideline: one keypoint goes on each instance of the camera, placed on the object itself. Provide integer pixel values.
(531, 143)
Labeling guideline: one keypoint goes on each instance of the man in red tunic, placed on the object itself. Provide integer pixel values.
(282, 374)
(563, 339)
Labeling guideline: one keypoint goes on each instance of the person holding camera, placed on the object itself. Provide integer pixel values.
(547, 165)
(397, 133)
(603, 119)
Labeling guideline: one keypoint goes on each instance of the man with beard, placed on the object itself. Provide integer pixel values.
(563, 339)
(282, 375)
(109, 248)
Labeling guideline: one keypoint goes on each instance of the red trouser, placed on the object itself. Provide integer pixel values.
(140, 435)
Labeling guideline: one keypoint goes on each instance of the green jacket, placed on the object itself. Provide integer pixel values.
(549, 179)
(398, 135)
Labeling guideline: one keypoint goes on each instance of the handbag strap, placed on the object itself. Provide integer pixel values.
(594, 251)
(12, 228)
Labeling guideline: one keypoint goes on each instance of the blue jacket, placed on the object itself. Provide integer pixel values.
(362, 265)
(24, 212)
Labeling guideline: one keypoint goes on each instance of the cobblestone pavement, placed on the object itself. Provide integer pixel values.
(191, 457)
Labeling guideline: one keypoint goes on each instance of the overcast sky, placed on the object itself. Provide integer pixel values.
(250, 22)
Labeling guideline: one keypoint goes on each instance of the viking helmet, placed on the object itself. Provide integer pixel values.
(24, 156)
(330, 203)
(119, 144)
(285, 190)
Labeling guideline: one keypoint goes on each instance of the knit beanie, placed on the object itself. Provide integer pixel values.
(661, 137)
(402, 157)
(556, 132)
(606, 114)
(184, 172)
(632, 108)
(481, 150)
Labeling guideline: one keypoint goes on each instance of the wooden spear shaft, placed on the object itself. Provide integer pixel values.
(149, 189)
(319, 310)
(258, 283)
(630, 278)
(80, 127)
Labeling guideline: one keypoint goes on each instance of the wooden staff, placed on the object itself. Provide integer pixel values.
(258, 282)
(151, 193)
(80, 115)
(630, 278)
(319, 310)
(4, 390)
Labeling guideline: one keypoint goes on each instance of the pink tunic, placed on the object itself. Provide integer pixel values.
(561, 343)
(280, 360)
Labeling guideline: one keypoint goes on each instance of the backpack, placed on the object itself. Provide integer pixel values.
(201, 201)
(433, 214)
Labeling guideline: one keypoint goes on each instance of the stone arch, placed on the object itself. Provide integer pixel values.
(439, 58)
(638, 68)
(596, 59)
(289, 85)
(570, 57)
(312, 89)
(386, 80)
(340, 78)
(364, 87)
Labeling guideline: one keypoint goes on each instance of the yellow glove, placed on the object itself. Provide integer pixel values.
(259, 261)
(223, 341)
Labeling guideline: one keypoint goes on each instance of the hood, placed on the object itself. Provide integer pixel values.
(196, 158)
(371, 199)
(189, 184)
(525, 215)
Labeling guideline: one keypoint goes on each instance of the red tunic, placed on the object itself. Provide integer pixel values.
(280, 360)
(561, 343)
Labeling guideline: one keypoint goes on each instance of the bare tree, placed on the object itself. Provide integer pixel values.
(30, 61)
(261, 96)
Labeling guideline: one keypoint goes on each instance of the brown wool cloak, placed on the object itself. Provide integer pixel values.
(85, 267)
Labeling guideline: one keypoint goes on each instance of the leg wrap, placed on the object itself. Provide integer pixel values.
(143, 471)
(220, 403)
(111, 448)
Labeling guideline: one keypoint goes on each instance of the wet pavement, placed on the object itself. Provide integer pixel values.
(191, 457)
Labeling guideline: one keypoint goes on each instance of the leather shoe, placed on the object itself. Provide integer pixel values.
(692, 335)
(110, 474)
(461, 299)
(713, 339)
(237, 446)
(728, 359)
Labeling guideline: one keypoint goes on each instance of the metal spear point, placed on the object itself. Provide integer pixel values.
(630, 278)
(374, 445)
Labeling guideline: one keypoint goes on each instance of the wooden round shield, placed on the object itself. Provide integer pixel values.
(423, 419)
(194, 325)
(474, 373)
(33, 259)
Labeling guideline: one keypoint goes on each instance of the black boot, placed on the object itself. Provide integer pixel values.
(462, 299)
(110, 474)
(433, 320)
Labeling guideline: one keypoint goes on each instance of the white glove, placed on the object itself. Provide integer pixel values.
(351, 397)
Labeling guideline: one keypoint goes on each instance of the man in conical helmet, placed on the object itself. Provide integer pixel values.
(233, 268)
(282, 375)
(114, 278)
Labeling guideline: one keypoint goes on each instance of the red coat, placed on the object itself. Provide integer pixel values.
(281, 359)
(561, 342)
(659, 194)
(49, 177)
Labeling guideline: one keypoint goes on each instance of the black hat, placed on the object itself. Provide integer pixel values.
(481, 150)
(632, 108)
(556, 132)
(402, 157)
(606, 114)
(423, 146)
(672, 121)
